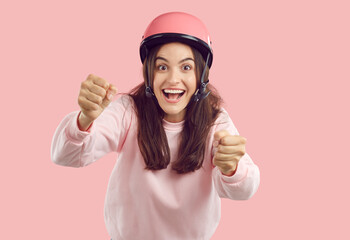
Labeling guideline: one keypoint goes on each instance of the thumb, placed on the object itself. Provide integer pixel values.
(111, 92)
(220, 134)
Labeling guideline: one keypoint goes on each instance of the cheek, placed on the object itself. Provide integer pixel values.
(155, 82)
(192, 85)
(156, 87)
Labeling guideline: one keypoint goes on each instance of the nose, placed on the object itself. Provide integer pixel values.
(174, 77)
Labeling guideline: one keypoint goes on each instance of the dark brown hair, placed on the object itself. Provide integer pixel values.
(199, 118)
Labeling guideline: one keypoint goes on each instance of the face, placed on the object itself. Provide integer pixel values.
(174, 79)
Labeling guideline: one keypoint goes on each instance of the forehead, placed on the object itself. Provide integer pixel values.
(175, 50)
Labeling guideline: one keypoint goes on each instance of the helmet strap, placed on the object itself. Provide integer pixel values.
(148, 90)
(200, 92)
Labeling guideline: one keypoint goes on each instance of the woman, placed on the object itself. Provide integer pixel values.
(178, 150)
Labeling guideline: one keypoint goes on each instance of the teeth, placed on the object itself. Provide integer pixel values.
(173, 91)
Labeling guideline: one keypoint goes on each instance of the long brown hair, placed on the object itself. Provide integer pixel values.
(199, 118)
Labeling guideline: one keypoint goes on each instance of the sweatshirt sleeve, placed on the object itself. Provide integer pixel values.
(75, 148)
(245, 182)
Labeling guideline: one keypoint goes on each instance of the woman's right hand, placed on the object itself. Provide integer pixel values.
(94, 96)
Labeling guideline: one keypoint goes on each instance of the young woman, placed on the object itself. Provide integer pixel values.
(178, 150)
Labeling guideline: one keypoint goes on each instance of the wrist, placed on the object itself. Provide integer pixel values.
(229, 173)
(83, 122)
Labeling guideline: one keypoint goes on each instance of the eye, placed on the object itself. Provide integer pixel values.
(187, 67)
(162, 67)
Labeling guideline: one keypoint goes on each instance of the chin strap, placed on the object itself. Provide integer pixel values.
(200, 92)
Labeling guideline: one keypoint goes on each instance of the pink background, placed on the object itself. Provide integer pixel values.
(281, 66)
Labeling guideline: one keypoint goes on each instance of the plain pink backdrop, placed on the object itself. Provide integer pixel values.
(282, 67)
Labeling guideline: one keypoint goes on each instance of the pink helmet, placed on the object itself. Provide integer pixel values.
(177, 27)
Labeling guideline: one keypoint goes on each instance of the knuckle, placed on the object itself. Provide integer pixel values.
(103, 93)
(218, 155)
(90, 76)
(84, 85)
(80, 99)
(241, 152)
(94, 106)
(96, 90)
(105, 83)
(220, 148)
(99, 92)
(82, 92)
(99, 99)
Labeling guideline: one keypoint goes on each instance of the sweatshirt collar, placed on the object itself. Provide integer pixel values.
(173, 126)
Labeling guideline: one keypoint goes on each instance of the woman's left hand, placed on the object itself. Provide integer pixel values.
(230, 149)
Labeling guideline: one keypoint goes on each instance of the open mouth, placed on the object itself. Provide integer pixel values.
(173, 94)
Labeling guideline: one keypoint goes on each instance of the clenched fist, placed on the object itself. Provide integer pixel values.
(229, 150)
(94, 96)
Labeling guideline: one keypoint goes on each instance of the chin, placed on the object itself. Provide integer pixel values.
(170, 111)
(177, 113)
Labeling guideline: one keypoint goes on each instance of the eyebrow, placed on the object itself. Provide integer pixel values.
(164, 59)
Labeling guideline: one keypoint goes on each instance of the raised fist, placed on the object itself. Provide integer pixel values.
(94, 96)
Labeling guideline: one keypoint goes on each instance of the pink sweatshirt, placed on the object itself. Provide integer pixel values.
(153, 205)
